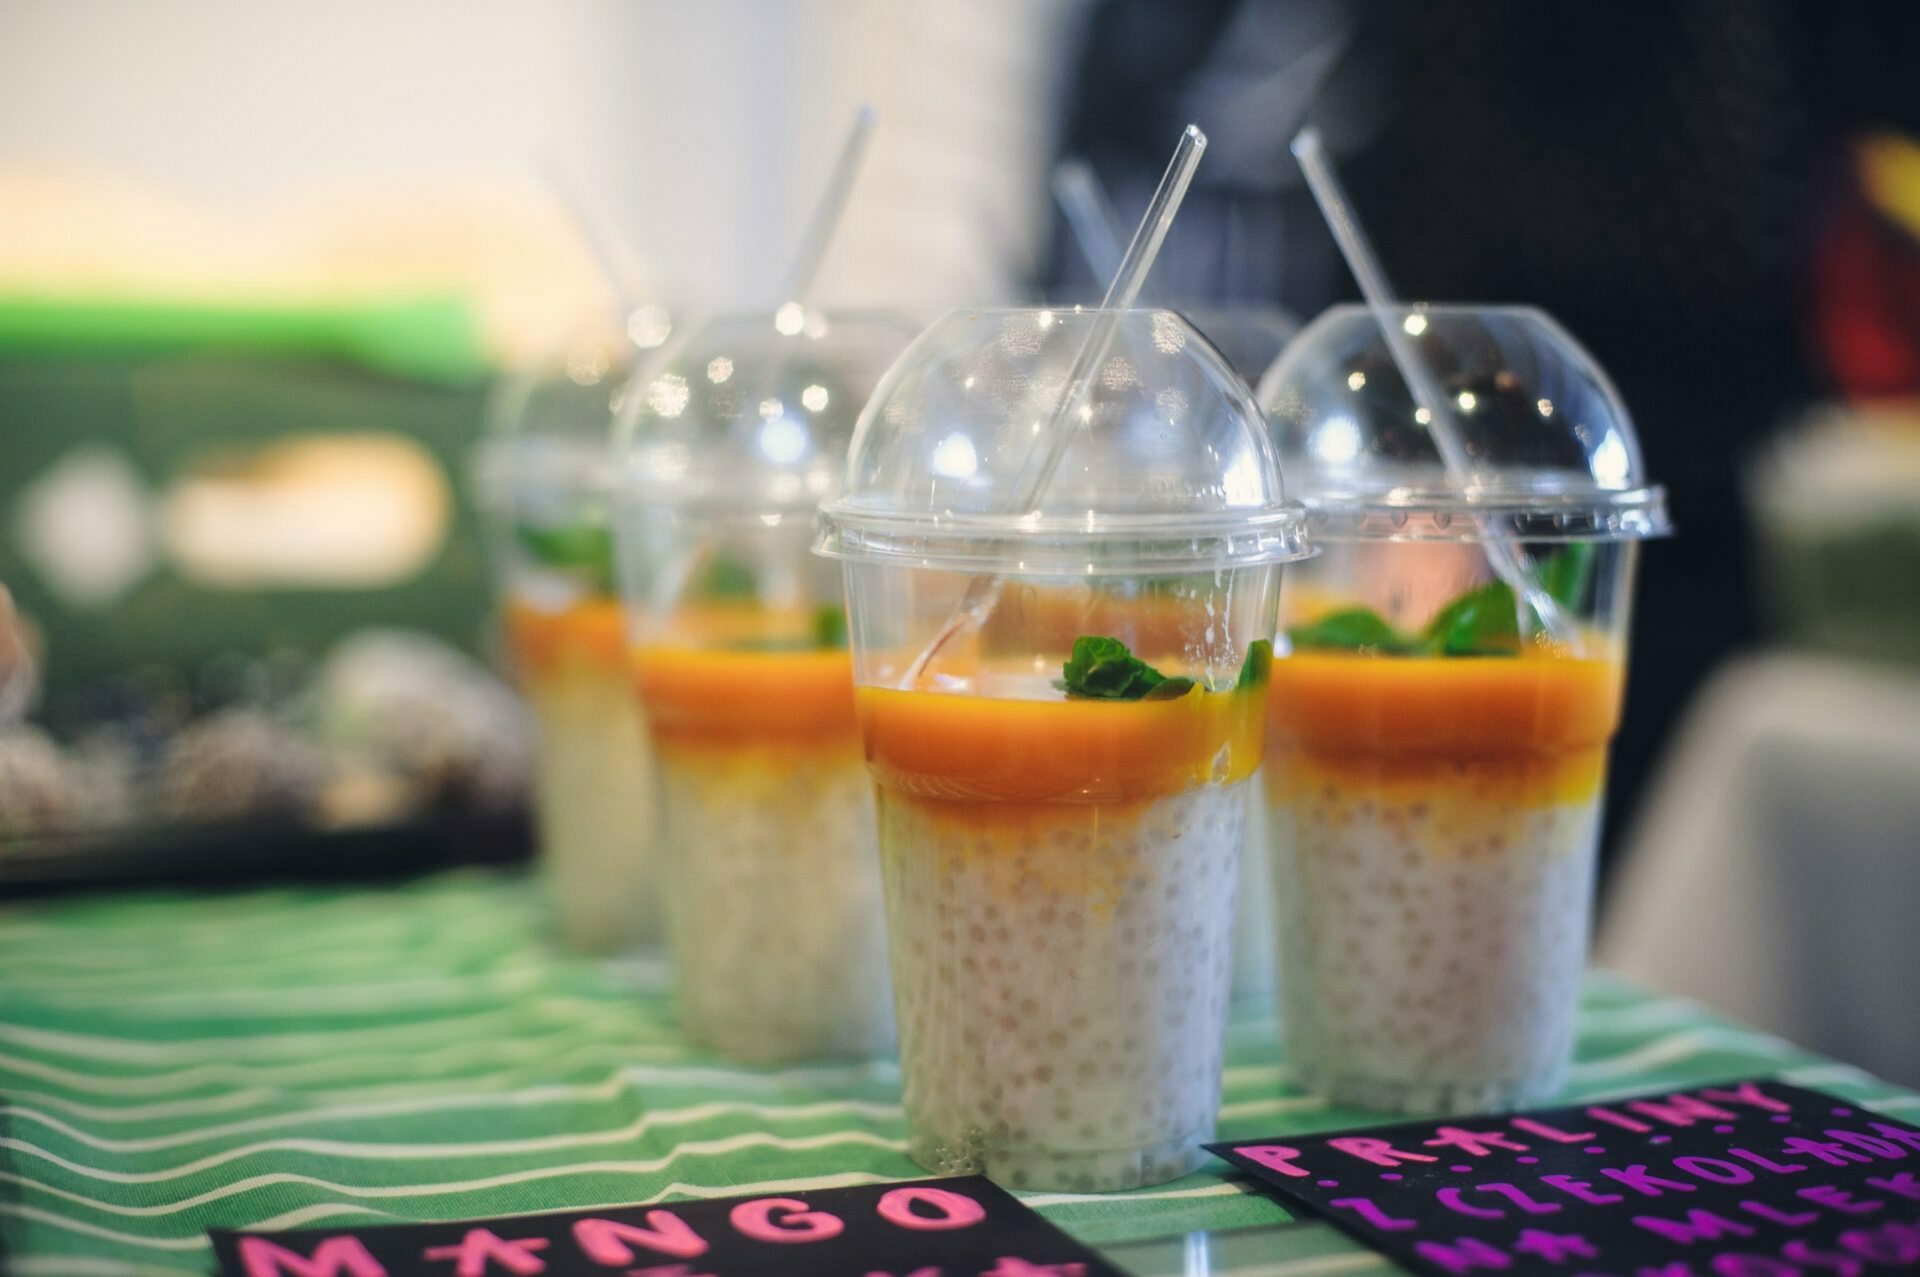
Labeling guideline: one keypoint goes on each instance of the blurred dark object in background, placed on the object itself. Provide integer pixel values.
(257, 593)
(1867, 270)
(1656, 177)
(235, 515)
(163, 507)
(1836, 515)
(389, 753)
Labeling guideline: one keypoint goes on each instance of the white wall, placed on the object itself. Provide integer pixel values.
(705, 124)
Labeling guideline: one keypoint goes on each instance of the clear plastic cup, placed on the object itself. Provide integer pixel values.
(740, 656)
(1060, 867)
(1435, 760)
(545, 482)
(1250, 337)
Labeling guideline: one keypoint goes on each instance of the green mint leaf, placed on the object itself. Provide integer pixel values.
(584, 550)
(1352, 629)
(1258, 667)
(1565, 573)
(787, 643)
(1170, 689)
(725, 577)
(829, 633)
(830, 626)
(1104, 669)
(1484, 621)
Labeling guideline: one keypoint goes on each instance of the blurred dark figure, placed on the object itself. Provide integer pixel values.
(1655, 176)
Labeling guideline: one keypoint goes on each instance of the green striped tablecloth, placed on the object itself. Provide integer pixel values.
(276, 1059)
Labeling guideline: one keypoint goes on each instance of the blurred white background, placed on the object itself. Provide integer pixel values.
(704, 128)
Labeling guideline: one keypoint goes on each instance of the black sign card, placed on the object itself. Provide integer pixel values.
(962, 1227)
(1751, 1179)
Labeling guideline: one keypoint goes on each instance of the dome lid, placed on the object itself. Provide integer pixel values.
(751, 414)
(1553, 450)
(548, 426)
(1167, 467)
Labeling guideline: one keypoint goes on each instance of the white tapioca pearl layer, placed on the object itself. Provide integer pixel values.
(1061, 973)
(774, 905)
(1253, 934)
(1430, 960)
(594, 802)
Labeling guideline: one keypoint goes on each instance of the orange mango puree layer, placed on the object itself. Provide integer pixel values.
(1529, 730)
(711, 697)
(980, 749)
(590, 632)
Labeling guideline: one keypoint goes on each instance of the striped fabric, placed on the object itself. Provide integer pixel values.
(278, 1059)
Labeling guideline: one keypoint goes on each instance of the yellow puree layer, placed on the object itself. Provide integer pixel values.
(590, 632)
(1523, 731)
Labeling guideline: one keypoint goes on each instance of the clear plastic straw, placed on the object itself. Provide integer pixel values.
(1053, 437)
(1428, 395)
(797, 287)
(1057, 433)
(1089, 215)
(619, 266)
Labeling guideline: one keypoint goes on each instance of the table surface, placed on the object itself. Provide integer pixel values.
(273, 1059)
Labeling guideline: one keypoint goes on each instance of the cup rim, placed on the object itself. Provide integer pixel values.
(1094, 544)
(1412, 514)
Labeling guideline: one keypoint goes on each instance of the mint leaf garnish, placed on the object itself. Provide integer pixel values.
(1565, 573)
(1258, 667)
(828, 633)
(1481, 622)
(1485, 621)
(784, 643)
(1352, 629)
(725, 577)
(584, 550)
(830, 626)
(1103, 669)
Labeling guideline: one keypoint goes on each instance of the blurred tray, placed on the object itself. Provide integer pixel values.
(264, 852)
